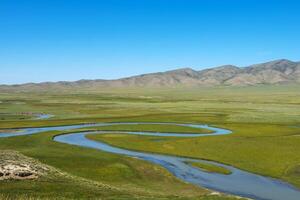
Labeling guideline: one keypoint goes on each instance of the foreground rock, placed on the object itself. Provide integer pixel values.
(15, 166)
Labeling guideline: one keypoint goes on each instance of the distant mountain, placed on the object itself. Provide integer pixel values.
(274, 72)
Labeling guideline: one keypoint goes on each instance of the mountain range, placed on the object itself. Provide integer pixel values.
(275, 72)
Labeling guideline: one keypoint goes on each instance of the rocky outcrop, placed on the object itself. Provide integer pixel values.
(15, 166)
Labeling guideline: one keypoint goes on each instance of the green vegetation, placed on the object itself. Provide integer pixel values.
(165, 128)
(264, 149)
(9, 117)
(94, 173)
(210, 167)
(263, 120)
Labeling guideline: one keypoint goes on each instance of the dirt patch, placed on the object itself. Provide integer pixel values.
(16, 166)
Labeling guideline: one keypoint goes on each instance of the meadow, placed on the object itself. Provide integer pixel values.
(264, 119)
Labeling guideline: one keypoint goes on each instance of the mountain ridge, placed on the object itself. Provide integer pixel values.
(281, 71)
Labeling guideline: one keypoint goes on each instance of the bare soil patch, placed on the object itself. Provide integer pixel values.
(15, 166)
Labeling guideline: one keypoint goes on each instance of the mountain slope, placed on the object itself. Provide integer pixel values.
(274, 72)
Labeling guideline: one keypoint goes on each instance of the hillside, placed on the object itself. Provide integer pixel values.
(274, 72)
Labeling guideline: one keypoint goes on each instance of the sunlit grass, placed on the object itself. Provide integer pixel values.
(209, 167)
(262, 119)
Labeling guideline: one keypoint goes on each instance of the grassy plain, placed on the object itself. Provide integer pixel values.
(210, 167)
(164, 128)
(263, 120)
(95, 174)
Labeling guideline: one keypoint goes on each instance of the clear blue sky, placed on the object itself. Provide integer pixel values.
(51, 40)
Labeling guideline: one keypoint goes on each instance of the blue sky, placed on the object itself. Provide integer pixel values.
(53, 40)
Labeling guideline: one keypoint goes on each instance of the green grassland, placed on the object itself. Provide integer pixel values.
(164, 128)
(210, 167)
(269, 155)
(105, 175)
(263, 120)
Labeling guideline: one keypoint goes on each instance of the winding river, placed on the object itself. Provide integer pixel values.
(239, 182)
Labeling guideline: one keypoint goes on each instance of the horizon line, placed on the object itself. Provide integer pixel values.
(130, 76)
